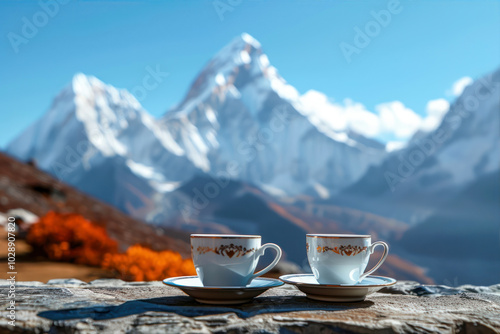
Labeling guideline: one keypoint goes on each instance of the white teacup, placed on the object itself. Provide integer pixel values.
(229, 260)
(341, 258)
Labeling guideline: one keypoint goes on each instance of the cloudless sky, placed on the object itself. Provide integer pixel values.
(415, 58)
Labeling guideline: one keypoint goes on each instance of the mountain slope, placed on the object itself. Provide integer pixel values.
(25, 186)
(412, 183)
(458, 230)
(461, 241)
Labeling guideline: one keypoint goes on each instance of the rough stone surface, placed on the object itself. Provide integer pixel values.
(114, 306)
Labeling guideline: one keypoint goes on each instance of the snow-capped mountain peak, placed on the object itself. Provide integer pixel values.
(231, 70)
(86, 112)
(118, 105)
(239, 94)
(242, 50)
(92, 119)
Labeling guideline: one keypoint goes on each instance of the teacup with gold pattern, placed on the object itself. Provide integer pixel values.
(229, 260)
(341, 258)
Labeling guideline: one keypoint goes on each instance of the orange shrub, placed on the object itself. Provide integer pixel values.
(70, 237)
(143, 264)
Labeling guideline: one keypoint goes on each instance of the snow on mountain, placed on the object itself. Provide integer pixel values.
(241, 118)
(412, 182)
(467, 143)
(99, 139)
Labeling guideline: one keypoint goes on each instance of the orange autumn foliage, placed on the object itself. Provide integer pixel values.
(70, 237)
(143, 264)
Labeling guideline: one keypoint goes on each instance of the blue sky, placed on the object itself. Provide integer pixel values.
(415, 58)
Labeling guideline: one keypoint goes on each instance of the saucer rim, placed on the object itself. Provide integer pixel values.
(350, 286)
(277, 282)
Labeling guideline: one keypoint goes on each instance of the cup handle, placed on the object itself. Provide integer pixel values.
(382, 259)
(260, 252)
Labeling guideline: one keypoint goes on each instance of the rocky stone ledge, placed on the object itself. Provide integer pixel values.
(114, 306)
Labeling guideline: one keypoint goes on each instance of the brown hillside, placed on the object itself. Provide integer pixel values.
(25, 186)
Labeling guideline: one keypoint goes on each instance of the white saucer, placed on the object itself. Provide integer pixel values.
(337, 293)
(192, 286)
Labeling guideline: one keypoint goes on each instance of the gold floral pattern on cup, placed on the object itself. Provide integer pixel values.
(341, 250)
(226, 250)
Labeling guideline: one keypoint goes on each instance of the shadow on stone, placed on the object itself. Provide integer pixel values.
(188, 307)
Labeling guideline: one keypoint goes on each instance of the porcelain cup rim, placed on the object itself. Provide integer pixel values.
(225, 236)
(338, 236)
